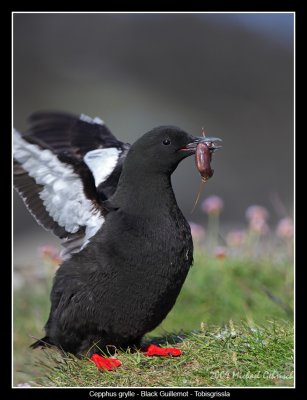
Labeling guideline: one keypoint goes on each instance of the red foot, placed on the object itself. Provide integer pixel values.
(105, 363)
(153, 350)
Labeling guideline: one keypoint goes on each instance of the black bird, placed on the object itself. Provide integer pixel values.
(127, 245)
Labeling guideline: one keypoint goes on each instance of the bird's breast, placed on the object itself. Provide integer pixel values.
(159, 242)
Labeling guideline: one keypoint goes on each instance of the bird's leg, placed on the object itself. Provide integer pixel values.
(135, 345)
(105, 363)
(153, 350)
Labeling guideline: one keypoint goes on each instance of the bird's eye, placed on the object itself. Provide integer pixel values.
(166, 142)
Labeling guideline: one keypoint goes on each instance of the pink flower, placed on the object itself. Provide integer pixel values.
(212, 205)
(197, 231)
(258, 213)
(285, 228)
(257, 217)
(235, 238)
(220, 252)
(259, 226)
(50, 254)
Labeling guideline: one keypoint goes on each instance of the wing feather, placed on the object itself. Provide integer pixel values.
(64, 167)
(54, 192)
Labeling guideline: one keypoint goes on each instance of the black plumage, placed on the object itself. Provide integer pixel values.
(124, 282)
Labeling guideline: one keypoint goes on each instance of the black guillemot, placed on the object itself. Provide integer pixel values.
(127, 246)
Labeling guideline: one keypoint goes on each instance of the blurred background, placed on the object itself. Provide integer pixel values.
(229, 73)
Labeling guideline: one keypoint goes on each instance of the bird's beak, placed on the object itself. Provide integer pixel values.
(213, 144)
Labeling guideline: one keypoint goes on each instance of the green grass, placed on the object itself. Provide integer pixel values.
(256, 349)
(218, 290)
(236, 355)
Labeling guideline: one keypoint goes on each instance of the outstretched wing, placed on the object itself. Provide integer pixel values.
(64, 167)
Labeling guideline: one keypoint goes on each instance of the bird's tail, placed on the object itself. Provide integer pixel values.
(44, 342)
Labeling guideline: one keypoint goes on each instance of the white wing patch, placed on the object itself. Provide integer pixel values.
(102, 162)
(96, 120)
(62, 193)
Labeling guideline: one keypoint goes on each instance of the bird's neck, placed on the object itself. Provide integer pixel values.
(144, 191)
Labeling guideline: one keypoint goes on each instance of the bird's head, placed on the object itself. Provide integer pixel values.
(161, 149)
(150, 162)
